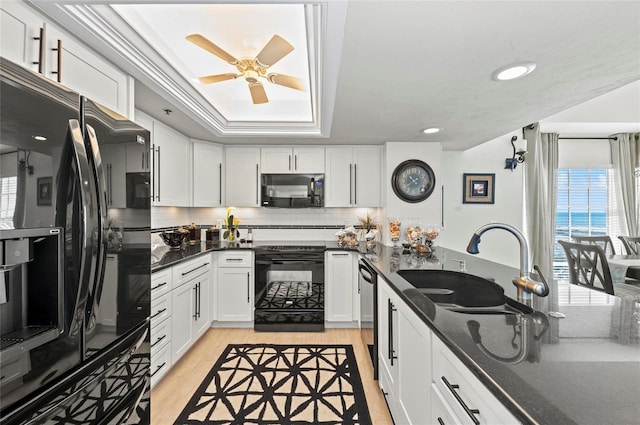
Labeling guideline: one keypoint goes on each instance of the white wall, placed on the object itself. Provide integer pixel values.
(461, 220)
(427, 211)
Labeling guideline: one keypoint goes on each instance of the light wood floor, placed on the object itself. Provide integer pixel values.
(170, 395)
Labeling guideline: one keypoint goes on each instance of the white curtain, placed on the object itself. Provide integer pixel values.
(625, 155)
(540, 201)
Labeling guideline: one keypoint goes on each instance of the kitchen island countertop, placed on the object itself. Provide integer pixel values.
(583, 368)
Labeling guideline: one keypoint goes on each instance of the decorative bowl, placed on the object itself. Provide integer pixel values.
(174, 238)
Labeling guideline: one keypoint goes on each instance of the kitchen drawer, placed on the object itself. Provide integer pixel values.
(160, 364)
(187, 270)
(14, 369)
(160, 335)
(235, 259)
(441, 412)
(160, 283)
(460, 381)
(160, 309)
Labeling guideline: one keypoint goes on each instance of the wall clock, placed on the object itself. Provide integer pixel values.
(413, 180)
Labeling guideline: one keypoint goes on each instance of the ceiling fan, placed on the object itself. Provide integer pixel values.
(251, 69)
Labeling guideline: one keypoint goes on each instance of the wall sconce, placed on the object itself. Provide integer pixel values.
(518, 153)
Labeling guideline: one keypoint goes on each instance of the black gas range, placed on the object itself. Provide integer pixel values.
(289, 285)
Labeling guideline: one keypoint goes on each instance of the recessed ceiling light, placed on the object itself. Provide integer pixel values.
(513, 71)
(39, 138)
(431, 130)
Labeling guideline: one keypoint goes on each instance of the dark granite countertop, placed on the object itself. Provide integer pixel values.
(580, 369)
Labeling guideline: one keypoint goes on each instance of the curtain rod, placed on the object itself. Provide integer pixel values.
(588, 138)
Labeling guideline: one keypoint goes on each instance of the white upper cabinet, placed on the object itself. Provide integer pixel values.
(20, 29)
(30, 40)
(353, 177)
(206, 174)
(289, 159)
(242, 176)
(171, 167)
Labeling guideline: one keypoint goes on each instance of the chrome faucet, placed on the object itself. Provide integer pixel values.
(526, 286)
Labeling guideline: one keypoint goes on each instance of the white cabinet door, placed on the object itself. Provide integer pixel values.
(182, 311)
(113, 163)
(234, 298)
(202, 321)
(337, 180)
(207, 174)
(367, 177)
(286, 159)
(414, 371)
(82, 70)
(19, 35)
(242, 176)
(308, 160)
(276, 160)
(339, 287)
(171, 167)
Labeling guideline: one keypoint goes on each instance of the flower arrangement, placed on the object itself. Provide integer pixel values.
(232, 226)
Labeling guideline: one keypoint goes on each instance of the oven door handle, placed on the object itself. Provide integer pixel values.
(297, 261)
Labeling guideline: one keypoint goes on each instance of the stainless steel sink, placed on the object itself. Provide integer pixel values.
(462, 292)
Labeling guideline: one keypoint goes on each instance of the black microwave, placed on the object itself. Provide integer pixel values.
(292, 190)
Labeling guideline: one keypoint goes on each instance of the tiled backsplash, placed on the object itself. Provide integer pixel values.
(267, 223)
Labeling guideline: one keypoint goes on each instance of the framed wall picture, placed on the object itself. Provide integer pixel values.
(45, 186)
(478, 188)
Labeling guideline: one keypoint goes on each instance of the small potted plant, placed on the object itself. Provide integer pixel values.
(232, 226)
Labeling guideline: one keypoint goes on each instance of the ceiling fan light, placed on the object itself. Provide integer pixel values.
(513, 71)
(431, 130)
(251, 76)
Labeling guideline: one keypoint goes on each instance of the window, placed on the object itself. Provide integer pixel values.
(8, 190)
(585, 206)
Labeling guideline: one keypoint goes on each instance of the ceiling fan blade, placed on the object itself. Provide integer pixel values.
(209, 79)
(286, 80)
(275, 49)
(204, 43)
(258, 95)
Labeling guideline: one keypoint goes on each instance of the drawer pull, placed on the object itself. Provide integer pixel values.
(471, 412)
(234, 259)
(158, 286)
(158, 369)
(159, 313)
(158, 340)
(193, 270)
(440, 421)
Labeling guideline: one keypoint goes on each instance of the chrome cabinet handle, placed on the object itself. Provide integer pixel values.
(350, 185)
(193, 270)
(158, 340)
(58, 73)
(392, 352)
(257, 184)
(40, 61)
(158, 167)
(195, 302)
(248, 286)
(295, 161)
(340, 254)
(153, 174)
(289, 162)
(355, 184)
(158, 286)
(159, 313)
(158, 369)
(220, 182)
(470, 412)
(440, 421)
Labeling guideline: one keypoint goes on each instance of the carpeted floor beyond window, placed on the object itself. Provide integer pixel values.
(280, 384)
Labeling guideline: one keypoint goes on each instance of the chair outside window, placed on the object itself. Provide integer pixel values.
(603, 242)
(588, 266)
(631, 244)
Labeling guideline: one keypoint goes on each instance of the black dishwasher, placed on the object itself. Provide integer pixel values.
(289, 285)
(368, 289)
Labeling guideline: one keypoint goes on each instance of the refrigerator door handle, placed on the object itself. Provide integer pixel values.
(95, 289)
(74, 153)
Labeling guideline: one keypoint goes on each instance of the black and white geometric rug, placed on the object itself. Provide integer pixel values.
(280, 384)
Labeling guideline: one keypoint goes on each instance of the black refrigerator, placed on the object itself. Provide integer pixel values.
(74, 257)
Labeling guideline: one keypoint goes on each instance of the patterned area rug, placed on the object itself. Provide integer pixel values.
(280, 384)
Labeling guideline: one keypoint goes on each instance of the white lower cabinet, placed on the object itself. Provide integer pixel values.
(404, 361)
(340, 287)
(190, 299)
(421, 379)
(234, 286)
